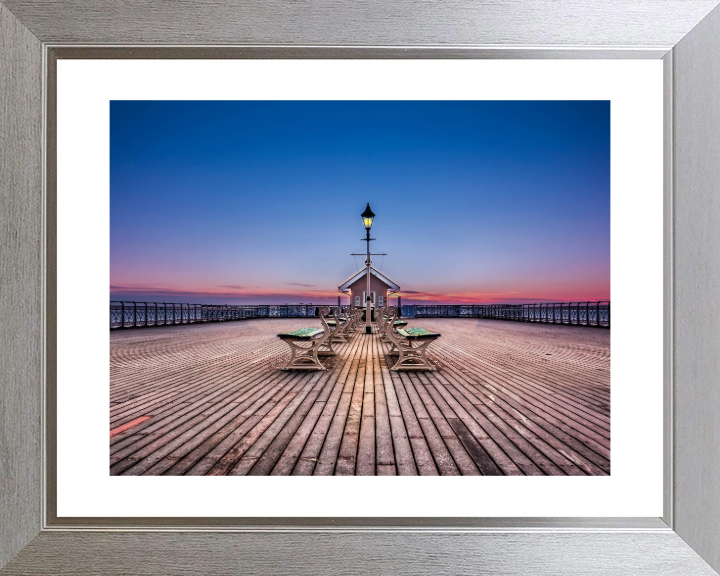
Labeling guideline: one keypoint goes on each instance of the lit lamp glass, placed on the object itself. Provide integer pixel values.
(368, 217)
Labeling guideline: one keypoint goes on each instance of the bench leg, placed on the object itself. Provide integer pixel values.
(338, 335)
(326, 349)
(413, 358)
(302, 357)
(422, 350)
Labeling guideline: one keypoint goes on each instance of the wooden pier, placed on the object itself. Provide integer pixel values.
(507, 399)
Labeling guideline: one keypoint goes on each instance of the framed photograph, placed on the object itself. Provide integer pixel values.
(574, 144)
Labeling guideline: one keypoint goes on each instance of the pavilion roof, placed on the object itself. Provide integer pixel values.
(345, 286)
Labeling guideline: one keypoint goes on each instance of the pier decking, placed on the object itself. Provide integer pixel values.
(507, 398)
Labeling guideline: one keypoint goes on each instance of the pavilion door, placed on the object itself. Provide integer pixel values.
(372, 302)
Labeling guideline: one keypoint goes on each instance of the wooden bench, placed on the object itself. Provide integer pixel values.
(383, 317)
(388, 321)
(306, 344)
(339, 328)
(411, 346)
(351, 315)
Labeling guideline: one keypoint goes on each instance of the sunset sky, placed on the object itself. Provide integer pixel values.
(259, 202)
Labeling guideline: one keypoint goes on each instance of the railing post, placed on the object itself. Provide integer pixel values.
(134, 314)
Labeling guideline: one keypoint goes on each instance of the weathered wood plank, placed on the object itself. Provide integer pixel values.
(328, 456)
(313, 446)
(347, 456)
(366, 441)
(383, 435)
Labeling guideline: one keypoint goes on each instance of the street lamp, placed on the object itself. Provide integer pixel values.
(367, 217)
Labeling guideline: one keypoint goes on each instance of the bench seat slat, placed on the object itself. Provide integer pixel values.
(414, 333)
(302, 333)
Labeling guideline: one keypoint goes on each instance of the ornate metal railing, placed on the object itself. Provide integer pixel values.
(137, 314)
(576, 313)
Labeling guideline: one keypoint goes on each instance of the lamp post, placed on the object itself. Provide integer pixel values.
(368, 218)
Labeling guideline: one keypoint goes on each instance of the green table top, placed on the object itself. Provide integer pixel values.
(400, 323)
(414, 333)
(302, 333)
(332, 322)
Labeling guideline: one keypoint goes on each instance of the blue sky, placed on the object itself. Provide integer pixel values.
(256, 202)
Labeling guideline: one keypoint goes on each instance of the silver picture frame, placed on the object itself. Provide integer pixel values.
(685, 34)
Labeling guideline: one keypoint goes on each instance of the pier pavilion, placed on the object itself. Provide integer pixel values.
(381, 288)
